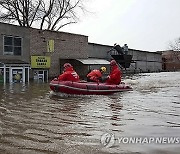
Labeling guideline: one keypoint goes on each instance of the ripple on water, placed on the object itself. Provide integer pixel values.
(32, 120)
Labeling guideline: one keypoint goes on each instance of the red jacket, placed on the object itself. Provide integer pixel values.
(95, 75)
(69, 75)
(115, 76)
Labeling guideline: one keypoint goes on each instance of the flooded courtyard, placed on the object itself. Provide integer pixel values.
(35, 121)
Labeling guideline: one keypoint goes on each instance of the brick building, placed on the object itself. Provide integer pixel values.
(171, 60)
(67, 47)
(28, 53)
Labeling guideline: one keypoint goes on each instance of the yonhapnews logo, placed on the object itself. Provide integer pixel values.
(109, 139)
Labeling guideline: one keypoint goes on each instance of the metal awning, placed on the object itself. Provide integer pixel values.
(94, 61)
(12, 62)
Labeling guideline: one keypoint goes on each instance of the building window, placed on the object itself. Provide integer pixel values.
(12, 45)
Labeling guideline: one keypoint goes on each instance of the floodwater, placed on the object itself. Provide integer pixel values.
(34, 121)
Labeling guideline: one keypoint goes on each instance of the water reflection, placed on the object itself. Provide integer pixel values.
(33, 120)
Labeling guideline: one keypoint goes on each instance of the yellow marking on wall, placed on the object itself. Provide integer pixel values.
(50, 46)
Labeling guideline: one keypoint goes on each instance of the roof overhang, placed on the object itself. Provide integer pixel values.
(13, 62)
(93, 61)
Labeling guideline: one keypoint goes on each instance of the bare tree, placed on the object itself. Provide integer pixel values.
(23, 12)
(175, 45)
(42, 14)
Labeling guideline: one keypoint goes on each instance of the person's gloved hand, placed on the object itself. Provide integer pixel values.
(105, 78)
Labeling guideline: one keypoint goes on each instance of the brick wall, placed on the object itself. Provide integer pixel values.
(171, 60)
(66, 46)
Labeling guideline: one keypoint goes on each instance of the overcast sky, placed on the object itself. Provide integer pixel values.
(142, 24)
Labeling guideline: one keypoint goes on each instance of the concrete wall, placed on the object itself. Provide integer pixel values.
(66, 46)
(12, 30)
(98, 51)
(144, 61)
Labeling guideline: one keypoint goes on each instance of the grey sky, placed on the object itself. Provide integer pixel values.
(143, 24)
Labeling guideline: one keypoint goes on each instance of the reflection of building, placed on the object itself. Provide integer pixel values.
(171, 60)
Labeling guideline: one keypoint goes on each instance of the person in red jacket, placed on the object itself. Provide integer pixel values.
(69, 74)
(96, 75)
(115, 74)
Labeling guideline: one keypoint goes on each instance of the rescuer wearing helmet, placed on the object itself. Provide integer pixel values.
(115, 75)
(69, 74)
(96, 75)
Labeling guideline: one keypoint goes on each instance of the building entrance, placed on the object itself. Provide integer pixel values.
(13, 72)
(17, 75)
(41, 75)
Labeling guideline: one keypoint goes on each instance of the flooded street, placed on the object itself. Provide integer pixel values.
(33, 121)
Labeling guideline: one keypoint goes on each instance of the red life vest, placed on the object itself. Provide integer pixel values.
(95, 75)
(69, 75)
(115, 76)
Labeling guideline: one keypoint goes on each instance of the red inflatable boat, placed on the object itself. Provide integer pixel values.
(86, 88)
